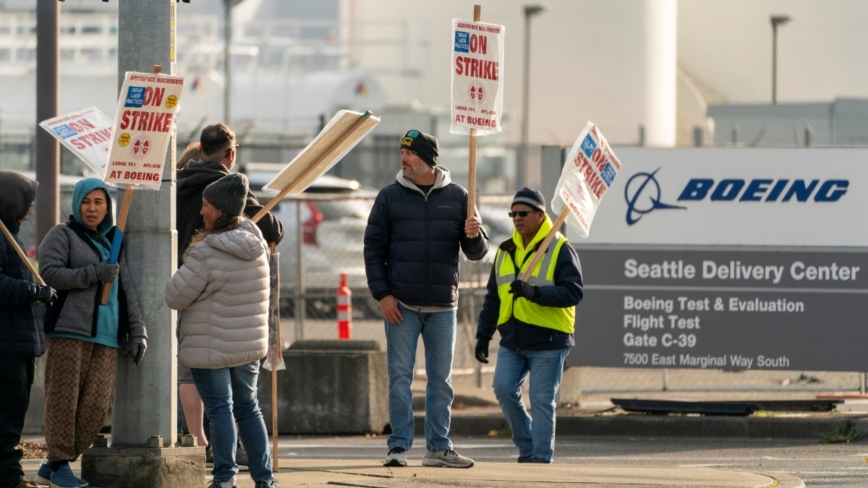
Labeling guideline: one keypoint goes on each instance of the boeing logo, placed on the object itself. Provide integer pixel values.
(642, 192)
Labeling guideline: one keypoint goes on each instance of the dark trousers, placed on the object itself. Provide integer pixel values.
(16, 376)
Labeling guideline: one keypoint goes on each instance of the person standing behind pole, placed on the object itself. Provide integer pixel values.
(536, 323)
(222, 292)
(217, 154)
(84, 336)
(412, 241)
(21, 335)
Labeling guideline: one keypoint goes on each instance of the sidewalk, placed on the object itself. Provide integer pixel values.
(370, 473)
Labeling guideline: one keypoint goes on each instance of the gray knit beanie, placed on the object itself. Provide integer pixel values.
(531, 198)
(228, 194)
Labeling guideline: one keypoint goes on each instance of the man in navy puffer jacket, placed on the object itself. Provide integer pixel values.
(414, 233)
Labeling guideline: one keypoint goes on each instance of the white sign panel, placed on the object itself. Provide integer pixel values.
(477, 77)
(87, 133)
(745, 197)
(589, 171)
(143, 129)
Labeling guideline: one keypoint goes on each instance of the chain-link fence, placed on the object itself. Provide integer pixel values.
(334, 244)
(324, 230)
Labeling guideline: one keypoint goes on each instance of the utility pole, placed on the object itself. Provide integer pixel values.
(144, 424)
(47, 154)
(227, 60)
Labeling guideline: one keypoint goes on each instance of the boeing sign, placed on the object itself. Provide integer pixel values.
(736, 196)
(642, 192)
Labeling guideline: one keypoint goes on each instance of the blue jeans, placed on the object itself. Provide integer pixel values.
(228, 392)
(533, 436)
(438, 336)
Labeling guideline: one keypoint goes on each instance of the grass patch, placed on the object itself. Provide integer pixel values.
(501, 434)
(764, 414)
(848, 433)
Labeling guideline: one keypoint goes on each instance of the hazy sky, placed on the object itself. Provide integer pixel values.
(821, 51)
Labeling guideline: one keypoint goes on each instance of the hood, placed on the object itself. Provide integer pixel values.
(442, 178)
(82, 188)
(197, 175)
(244, 242)
(540, 234)
(17, 194)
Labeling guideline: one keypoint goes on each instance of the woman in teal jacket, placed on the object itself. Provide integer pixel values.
(83, 336)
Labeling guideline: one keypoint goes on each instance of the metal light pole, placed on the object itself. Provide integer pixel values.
(529, 11)
(776, 20)
(227, 57)
(47, 160)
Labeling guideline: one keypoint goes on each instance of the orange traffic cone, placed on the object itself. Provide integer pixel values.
(345, 309)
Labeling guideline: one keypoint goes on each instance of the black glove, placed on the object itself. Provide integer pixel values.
(481, 350)
(46, 295)
(136, 349)
(107, 273)
(523, 289)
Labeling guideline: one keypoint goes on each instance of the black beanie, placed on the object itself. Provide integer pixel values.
(531, 198)
(424, 145)
(228, 194)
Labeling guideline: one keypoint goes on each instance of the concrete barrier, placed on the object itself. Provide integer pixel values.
(329, 387)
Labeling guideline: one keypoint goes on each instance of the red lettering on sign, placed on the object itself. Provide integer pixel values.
(478, 44)
(476, 68)
(154, 96)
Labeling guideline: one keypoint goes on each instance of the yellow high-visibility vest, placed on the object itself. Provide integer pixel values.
(560, 319)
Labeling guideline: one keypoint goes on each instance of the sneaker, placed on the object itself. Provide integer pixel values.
(525, 459)
(240, 455)
(28, 484)
(447, 459)
(539, 461)
(209, 454)
(43, 476)
(272, 483)
(63, 478)
(219, 484)
(397, 457)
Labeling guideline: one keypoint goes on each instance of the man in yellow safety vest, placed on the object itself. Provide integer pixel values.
(536, 320)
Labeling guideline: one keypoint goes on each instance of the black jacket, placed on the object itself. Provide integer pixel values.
(192, 181)
(412, 242)
(20, 317)
(517, 335)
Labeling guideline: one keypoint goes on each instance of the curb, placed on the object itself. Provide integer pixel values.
(666, 426)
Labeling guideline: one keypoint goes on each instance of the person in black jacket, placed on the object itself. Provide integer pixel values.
(217, 153)
(412, 240)
(536, 319)
(21, 335)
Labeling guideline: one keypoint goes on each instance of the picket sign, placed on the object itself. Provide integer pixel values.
(589, 171)
(333, 143)
(86, 133)
(477, 86)
(133, 159)
(21, 254)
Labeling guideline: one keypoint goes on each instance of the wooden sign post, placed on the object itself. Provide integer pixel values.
(471, 170)
(21, 254)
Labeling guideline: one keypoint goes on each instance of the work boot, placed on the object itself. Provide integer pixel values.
(272, 483)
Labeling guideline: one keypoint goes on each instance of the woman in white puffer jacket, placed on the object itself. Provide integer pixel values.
(222, 293)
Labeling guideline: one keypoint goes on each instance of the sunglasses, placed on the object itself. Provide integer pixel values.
(521, 213)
